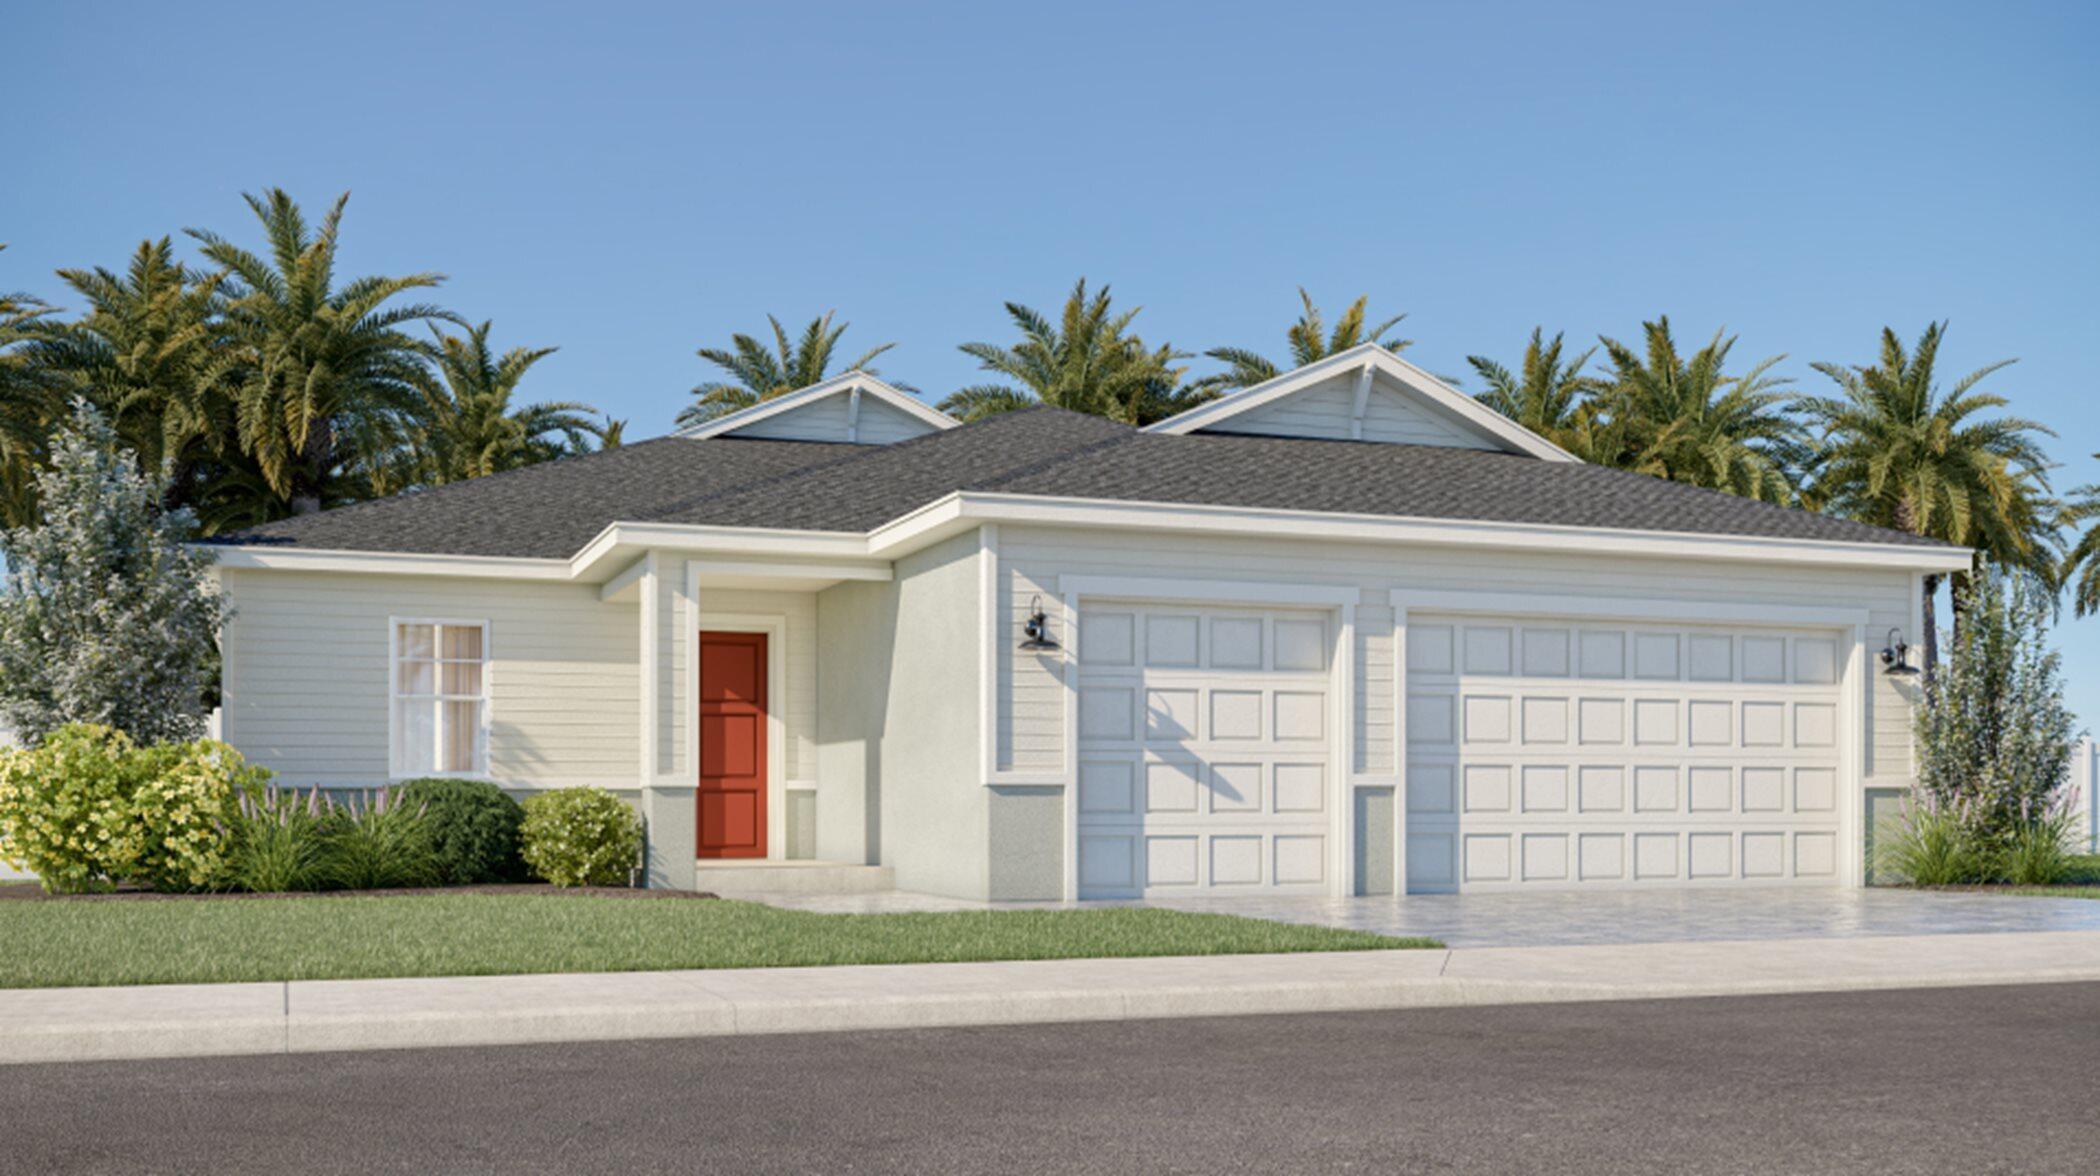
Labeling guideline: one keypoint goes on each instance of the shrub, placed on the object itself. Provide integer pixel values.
(1931, 844)
(89, 808)
(376, 841)
(473, 827)
(276, 841)
(581, 837)
(65, 808)
(2043, 849)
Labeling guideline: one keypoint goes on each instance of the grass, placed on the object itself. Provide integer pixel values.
(53, 944)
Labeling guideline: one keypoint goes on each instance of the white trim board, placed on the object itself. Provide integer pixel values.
(853, 384)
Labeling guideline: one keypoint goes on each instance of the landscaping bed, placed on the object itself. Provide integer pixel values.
(105, 941)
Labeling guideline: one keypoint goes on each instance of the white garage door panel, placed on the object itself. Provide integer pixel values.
(1555, 755)
(1203, 750)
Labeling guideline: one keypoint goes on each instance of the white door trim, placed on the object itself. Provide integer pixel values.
(696, 619)
(1342, 601)
(1849, 623)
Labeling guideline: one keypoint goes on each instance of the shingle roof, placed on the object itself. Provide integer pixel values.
(552, 510)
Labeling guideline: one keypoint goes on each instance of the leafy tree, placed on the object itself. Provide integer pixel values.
(1085, 362)
(1897, 451)
(466, 426)
(1686, 419)
(758, 373)
(1550, 396)
(107, 616)
(320, 375)
(1994, 738)
(1310, 341)
(139, 354)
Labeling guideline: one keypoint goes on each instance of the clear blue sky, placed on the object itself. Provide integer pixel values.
(630, 182)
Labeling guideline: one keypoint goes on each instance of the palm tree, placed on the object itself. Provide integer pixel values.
(1687, 420)
(1086, 362)
(1309, 341)
(1897, 451)
(320, 376)
(467, 427)
(1551, 397)
(757, 373)
(29, 407)
(2081, 565)
(137, 355)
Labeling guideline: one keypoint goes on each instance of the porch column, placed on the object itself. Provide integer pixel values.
(670, 812)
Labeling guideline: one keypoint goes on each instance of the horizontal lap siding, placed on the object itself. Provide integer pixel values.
(820, 420)
(306, 674)
(881, 424)
(1030, 702)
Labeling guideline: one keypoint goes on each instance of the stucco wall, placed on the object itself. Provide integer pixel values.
(933, 801)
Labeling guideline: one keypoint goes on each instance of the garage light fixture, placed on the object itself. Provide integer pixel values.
(1037, 627)
(1895, 657)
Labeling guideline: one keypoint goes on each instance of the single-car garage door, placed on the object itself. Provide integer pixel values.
(1546, 754)
(1204, 750)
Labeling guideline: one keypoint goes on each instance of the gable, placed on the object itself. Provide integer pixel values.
(853, 409)
(1327, 410)
(1363, 394)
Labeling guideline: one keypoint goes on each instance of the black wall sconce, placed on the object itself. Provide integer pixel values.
(1037, 627)
(1895, 657)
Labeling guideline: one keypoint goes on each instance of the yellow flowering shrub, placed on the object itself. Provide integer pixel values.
(580, 837)
(88, 808)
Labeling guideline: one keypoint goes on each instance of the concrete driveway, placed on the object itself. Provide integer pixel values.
(1567, 918)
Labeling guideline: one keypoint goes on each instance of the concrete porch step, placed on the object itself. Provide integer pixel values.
(799, 877)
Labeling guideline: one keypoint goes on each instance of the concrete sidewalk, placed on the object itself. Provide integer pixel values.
(82, 1024)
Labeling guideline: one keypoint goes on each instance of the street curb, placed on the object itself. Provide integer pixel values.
(99, 1024)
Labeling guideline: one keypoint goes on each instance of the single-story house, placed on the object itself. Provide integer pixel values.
(1344, 632)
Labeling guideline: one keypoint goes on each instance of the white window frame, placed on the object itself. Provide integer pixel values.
(393, 696)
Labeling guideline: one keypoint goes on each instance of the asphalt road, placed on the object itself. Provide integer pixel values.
(1959, 1080)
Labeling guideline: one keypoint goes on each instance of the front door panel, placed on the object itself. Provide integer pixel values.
(732, 745)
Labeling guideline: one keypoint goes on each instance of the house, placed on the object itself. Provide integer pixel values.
(1344, 632)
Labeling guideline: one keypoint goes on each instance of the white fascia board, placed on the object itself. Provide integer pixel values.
(971, 508)
(866, 384)
(1438, 394)
(390, 563)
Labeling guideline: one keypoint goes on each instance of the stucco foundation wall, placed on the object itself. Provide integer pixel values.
(1028, 704)
(306, 691)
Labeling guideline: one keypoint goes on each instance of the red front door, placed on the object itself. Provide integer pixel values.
(732, 745)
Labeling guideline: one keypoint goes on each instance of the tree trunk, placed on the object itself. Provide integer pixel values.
(1931, 636)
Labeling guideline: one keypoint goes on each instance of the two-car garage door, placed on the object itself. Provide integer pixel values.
(1546, 754)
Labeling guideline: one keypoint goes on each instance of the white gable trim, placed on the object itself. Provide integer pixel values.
(853, 385)
(1367, 358)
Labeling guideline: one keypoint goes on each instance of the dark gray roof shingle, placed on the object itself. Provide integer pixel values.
(552, 510)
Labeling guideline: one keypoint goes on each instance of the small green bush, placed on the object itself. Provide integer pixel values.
(473, 828)
(1931, 844)
(276, 841)
(88, 808)
(2042, 850)
(376, 841)
(581, 837)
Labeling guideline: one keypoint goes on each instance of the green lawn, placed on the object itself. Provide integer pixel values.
(47, 944)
